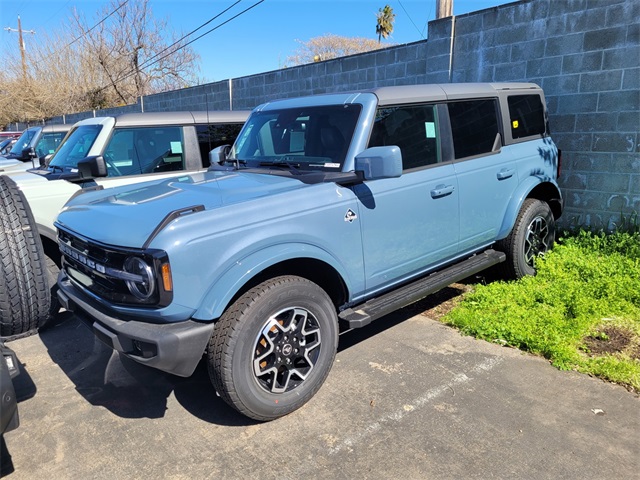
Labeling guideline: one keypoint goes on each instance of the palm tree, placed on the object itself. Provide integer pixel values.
(385, 17)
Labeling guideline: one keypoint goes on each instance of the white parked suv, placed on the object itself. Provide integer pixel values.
(32, 147)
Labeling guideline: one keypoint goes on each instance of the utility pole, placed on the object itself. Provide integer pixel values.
(21, 44)
(444, 8)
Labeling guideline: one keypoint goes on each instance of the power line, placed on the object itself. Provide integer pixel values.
(147, 64)
(214, 28)
(410, 19)
(191, 32)
(99, 23)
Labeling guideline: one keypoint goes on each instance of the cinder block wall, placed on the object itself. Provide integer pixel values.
(584, 53)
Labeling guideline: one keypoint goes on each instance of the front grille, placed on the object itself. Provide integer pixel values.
(99, 268)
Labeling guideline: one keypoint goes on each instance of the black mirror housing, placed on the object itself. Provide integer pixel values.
(92, 167)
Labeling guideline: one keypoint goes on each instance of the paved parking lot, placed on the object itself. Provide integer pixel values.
(407, 398)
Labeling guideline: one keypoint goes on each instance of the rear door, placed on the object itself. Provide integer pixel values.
(486, 173)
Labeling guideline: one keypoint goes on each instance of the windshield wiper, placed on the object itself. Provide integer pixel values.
(235, 161)
(293, 167)
(56, 166)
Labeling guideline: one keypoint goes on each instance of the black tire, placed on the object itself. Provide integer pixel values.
(272, 350)
(24, 286)
(532, 235)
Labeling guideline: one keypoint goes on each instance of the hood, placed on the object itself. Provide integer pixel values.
(10, 164)
(127, 216)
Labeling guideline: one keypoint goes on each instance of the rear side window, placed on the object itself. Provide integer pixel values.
(412, 128)
(526, 115)
(215, 135)
(474, 126)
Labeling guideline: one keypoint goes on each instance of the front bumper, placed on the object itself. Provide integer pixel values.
(175, 348)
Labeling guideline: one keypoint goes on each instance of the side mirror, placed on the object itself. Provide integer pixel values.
(379, 162)
(218, 155)
(92, 167)
(44, 161)
(28, 153)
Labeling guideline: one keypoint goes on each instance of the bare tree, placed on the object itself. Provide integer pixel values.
(133, 56)
(329, 46)
(90, 63)
(384, 25)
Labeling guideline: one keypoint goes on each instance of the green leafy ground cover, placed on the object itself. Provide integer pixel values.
(581, 310)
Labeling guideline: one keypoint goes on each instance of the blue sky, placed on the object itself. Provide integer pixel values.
(259, 40)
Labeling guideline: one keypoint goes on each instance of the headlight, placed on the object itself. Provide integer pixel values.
(143, 284)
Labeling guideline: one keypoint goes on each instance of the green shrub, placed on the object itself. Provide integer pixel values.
(588, 281)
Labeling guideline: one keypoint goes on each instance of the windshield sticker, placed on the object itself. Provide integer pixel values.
(350, 216)
(332, 165)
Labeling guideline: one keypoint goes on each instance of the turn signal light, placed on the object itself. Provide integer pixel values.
(167, 283)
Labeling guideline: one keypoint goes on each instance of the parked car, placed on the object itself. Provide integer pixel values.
(6, 145)
(131, 148)
(33, 146)
(333, 208)
(4, 134)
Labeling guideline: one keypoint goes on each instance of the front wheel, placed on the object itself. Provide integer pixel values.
(533, 235)
(272, 350)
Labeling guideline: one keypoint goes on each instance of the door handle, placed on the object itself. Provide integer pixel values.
(442, 191)
(505, 173)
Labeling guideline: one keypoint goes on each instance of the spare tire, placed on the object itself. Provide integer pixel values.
(25, 296)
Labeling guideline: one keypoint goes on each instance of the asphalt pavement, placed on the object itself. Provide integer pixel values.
(407, 398)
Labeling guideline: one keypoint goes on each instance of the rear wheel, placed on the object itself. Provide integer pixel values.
(273, 348)
(533, 235)
(24, 286)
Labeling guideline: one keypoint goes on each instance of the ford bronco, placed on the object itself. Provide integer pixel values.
(328, 209)
(130, 148)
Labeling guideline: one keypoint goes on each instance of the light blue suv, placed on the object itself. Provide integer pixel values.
(328, 209)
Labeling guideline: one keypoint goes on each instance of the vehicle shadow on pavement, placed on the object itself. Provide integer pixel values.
(124, 387)
(131, 390)
(350, 338)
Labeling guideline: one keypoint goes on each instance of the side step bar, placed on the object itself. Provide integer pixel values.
(375, 308)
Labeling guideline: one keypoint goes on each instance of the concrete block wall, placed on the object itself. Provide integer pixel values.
(586, 56)
(584, 53)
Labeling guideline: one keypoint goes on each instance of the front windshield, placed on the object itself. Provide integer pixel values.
(48, 143)
(307, 138)
(75, 147)
(24, 141)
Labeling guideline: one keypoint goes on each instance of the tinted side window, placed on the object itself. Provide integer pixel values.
(212, 136)
(526, 114)
(412, 128)
(133, 151)
(474, 126)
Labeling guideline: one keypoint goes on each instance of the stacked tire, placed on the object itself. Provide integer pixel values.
(25, 295)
